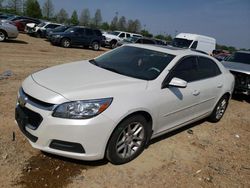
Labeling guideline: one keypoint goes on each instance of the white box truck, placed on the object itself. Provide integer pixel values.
(195, 41)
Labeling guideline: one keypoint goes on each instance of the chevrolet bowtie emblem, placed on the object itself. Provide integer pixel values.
(22, 100)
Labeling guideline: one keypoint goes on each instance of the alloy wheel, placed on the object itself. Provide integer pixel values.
(2, 36)
(130, 140)
(221, 108)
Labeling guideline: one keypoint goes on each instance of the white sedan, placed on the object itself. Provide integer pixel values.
(7, 31)
(111, 106)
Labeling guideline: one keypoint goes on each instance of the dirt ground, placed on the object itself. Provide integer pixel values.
(200, 155)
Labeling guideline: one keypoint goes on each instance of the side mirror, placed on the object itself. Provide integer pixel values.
(177, 82)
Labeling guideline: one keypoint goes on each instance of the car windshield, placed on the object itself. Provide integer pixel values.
(60, 28)
(41, 24)
(134, 62)
(115, 33)
(181, 43)
(70, 30)
(11, 17)
(240, 57)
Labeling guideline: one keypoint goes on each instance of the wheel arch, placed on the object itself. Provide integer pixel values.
(5, 32)
(143, 113)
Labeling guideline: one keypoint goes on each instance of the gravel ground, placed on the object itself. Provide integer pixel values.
(199, 155)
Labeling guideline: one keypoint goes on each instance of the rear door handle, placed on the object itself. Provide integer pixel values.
(196, 92)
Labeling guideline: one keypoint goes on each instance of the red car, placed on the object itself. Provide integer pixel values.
(20, 24)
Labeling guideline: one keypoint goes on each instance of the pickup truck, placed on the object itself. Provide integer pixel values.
(114, 37)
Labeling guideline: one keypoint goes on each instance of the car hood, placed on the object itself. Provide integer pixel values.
(83, 80)
(110, 36)
(31, 25)
(59, 33)
(238, 67)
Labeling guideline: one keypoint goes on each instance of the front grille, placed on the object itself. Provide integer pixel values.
(242, 81)
(35, 102)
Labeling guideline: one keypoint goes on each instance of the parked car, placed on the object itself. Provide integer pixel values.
(21, 24)
(111, 106)
(141, 40)
(50, 32)
(78, 36)
(7, 31)
(40, 29)
(114, 37)
(194, 41)
(5, 16)
(222, 56)
(239, 65)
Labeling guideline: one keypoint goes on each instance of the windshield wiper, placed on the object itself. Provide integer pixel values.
(112, 69)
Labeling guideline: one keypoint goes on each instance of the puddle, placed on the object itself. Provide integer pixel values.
(46, 170)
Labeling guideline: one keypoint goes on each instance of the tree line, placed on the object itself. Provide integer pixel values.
(33, 9)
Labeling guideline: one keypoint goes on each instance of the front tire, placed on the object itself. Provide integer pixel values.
(219, 109)
(65, 43)
(128, 140)
(3, 36)
(95, 46)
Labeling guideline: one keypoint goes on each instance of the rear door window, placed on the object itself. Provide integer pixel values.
(89, 32)
(207, 68)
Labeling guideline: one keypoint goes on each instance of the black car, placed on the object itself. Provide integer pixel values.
(50, 32)
(138, 40)
(78, 36)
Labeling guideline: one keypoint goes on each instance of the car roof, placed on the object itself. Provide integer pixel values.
(242, 51)
(168, 49)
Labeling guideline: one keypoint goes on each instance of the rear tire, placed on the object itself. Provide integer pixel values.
(113, 44)
(3, 35)
(219, 109)
(65, 43)
(128, 140)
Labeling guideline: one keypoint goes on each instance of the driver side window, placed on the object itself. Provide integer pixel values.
(186, 69)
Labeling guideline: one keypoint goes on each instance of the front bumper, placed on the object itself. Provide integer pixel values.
(55, 41)
(242, 82)
(79, 139)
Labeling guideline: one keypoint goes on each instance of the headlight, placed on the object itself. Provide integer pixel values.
(82, 109)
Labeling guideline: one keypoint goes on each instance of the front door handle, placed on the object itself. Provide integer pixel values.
(196, 92)
(219, 85)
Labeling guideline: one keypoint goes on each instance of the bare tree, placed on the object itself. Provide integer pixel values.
(48, 9)
(98, 18)
(122, 23)
(1, 3)
(134, 26)
(15, 5)
(85, 17)
(114, 22)
(62, 16)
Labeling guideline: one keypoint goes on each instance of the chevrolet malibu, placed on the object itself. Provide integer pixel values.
(112, 106)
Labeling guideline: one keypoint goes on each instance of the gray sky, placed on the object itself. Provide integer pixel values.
(226, 20)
